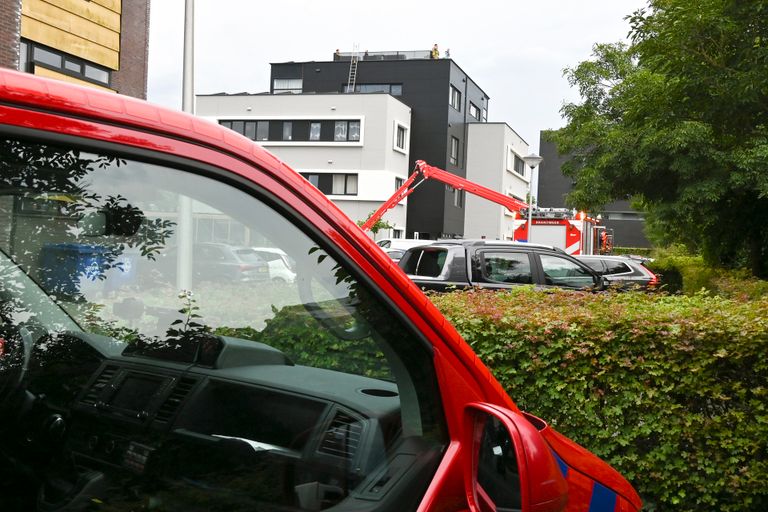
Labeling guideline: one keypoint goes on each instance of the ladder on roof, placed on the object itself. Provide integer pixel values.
(352, 78)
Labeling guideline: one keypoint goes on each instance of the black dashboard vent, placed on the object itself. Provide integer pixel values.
(342, 437)
(176, 397)
(91, 397)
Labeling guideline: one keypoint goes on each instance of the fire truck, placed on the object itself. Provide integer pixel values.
(575, 233)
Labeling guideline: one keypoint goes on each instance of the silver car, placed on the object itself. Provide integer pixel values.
(622, 271)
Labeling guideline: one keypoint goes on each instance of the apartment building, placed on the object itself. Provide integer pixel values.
(96, 43)
(444, 102)
(353, 147)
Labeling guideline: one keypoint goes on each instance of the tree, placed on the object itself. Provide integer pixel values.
(378, 225)
(679, 121)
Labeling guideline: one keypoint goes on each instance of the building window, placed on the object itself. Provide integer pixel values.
(314, 179)
(344, 184)
(73, 66)
(340, 131)
(485, 115)
(96, 74)
(519, 166)
(346, 131)
(262, 130)
(287, 85)
(23, 56)
(334, 184)
(401, 138)
(34, 53)
(354, 130)
(314, 131)
(250, 130)
(458, 196)
(399, 183)
(393, 89)
(514, 162)
(454, 156)
(296, 130)
(455, 98)
(44, 56)
(474, 111)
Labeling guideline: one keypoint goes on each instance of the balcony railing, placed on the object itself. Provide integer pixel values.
(366, 55)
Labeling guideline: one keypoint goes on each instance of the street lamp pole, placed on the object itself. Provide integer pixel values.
(532, 161)
(185, 218)
(188, 73)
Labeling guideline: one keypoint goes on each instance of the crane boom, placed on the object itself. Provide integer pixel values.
(426, 171)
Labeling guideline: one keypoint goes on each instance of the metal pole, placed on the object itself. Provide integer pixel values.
(530, 203)
(186, 218)
(188, 78)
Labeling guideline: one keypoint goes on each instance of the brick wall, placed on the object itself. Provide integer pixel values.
(131, 79)
(10, 20)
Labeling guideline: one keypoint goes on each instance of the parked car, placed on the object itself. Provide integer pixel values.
(622, 271)
(447, 265)
(401, 243)
(345, 390)
(218, 262)
(395, 254)
(281, 266)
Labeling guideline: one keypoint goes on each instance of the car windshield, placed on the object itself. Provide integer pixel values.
(124, 285)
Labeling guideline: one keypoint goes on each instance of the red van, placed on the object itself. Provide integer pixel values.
(133, 378)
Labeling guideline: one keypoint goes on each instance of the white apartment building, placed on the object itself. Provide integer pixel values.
(494, 159)
(353, 147)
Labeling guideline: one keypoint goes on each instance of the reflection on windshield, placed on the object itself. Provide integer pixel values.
(99, 235)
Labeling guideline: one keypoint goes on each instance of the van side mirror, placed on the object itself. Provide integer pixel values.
(510, 467)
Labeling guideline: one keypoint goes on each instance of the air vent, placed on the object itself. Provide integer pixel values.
(342, 437)
(171, 404)
(94, 392)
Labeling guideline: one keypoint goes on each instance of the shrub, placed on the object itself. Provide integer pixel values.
(689, 274)
(639, 251)
(671, 390)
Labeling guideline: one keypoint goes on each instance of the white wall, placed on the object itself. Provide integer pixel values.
(488, 150)
(374, 158)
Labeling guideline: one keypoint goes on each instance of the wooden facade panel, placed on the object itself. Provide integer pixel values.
(49, 73)
(66, 41)
(112, 5)
(92, 29)
(92, 11)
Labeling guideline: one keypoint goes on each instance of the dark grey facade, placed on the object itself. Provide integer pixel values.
(425, 85)
(626, 224)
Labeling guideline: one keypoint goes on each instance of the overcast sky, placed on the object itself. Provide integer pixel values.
(514, 50)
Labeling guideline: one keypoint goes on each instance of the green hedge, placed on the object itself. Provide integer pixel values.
(690, 274)
(639, 251)
(671, 390)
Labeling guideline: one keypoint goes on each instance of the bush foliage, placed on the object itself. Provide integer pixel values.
(684, 273)
(672, 390)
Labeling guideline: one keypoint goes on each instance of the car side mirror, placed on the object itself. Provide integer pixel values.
(509, 465)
